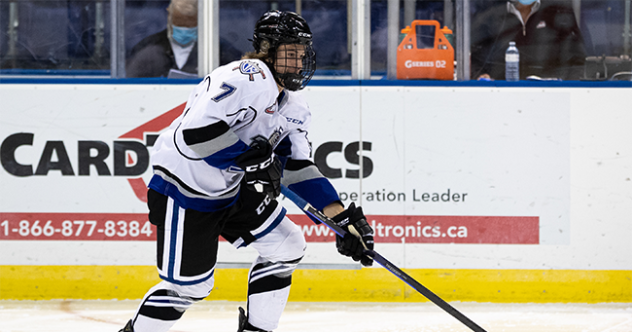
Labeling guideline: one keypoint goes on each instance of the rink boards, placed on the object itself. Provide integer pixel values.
(483, 194)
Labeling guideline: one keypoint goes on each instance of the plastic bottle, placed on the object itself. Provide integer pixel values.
(512, 63)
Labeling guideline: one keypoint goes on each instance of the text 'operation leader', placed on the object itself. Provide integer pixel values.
(381, 195)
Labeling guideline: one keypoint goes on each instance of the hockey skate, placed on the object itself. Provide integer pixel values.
(128, 327)
(244, 326)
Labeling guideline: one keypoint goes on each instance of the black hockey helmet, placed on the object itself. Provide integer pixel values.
(276, 28)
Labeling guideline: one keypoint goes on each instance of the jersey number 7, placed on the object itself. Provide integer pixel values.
(228, 90)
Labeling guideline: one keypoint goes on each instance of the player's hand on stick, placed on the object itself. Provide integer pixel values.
(359, 235)
(262, 167)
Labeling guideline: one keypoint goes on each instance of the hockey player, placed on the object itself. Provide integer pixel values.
(218, 169)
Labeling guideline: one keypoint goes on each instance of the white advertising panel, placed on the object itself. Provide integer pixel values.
(494, 165)
(430, 166)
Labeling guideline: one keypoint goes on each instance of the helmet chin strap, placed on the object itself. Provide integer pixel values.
(290, 82)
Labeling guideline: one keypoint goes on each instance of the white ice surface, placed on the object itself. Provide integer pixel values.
(97, 316)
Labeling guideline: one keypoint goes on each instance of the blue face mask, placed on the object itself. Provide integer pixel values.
(184, 36)
(526, 2)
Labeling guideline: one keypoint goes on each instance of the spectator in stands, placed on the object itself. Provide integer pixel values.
(171, 52)
(545, 32)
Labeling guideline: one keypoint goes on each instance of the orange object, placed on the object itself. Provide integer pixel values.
(425, 52)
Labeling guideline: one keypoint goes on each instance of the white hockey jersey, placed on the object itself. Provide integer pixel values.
(194, 159)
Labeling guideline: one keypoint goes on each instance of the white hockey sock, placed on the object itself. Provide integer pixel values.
(268, 290)
(265, 309)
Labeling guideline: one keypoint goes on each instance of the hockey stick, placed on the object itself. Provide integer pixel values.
(316, 215)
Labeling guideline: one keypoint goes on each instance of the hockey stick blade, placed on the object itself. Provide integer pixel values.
(317, 215)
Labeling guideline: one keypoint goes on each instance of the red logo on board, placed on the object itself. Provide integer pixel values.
(147, 132)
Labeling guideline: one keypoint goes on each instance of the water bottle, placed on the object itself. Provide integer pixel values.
(512, 63)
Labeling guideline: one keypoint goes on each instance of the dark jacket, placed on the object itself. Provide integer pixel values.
(550, 45)
(153, 57)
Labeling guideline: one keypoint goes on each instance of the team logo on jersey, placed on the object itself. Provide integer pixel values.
(250, 68)
(275, 138)
(270, 109)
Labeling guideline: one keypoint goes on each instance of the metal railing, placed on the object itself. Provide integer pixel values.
(359, 25)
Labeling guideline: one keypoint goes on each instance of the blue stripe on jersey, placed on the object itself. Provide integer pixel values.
(318, 192)
(284, 148)
(273, 225)
(173, 239)
(225, 158)
(269, 229)
(158, 184)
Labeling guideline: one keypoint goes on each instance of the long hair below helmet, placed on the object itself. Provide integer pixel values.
(276, 28)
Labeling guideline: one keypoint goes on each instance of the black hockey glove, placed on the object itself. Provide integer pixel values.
(351, 245)
(262, 167)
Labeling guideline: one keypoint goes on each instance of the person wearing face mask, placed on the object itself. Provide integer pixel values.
(171, 52)
(546, 34)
